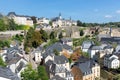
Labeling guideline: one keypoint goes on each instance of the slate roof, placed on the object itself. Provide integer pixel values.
(117, 49)
(60, 59)
(13, 60)
(56, 77)
(111, 57)
(110, 39)
(96, 48)
(66, 40)
(13, 53)
(57, 46)
(14, 14)
(87, 44)
(20, 66)
(85, 65)
(7, 73)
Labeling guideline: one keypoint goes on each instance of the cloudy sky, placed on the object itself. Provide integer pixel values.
(100, 11)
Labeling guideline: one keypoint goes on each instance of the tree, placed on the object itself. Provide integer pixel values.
(79, 23)
(4, 43)
(34, 19)
(42, 73)
(2, 25)
(60, 35)
(29, 74)
(56, 52)
(52, 35)
(81, 33)
(36, 39)
(50, 23)
(2, 63)
(85, 54)
(44, 35)
(33, 39)
(12, 25)
(18, 37)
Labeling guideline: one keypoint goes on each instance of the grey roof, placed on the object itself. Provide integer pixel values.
(20, 66)
(96, 48)
(10, 14)
(85, 68)
(56, 77)
(7, 73)
(13, 60)
(110, 39)
(87, 44)
(56, 46)
(103, 35)
(39, 49)
(13, 52)
(117, 49)
(66, 40)
(60, 59)
(85, 65)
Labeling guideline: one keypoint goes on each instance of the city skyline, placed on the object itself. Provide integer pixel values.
(84, 10)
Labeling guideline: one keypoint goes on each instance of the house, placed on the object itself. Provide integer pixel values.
(17, 65)
(102, 49)
(111, 61)
(88, 69)
(67, 41)
(14, 60)
(86, 45)
(60, 22)
(43, 20)
(59, 60)
(7, 74)
(38, 54)
(59, 65)
(61, 48)
(21, 19)
(43, 26)
(93, 50)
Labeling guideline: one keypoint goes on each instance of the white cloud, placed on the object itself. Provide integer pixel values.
(118, 11)
(108, 16)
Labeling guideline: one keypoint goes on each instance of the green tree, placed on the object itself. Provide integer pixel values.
(81, 32)
(2, 63)
(2, 25)
(36, 39)
(44, 35)
(60, 35)
(42, 73)
(85, 54)
(12, 25)
(34, 19)
(4, 43)
(50, 23)
(18, 37)
(33, 39)
(56, 52)
(29, 74)
(79, 23)
(52, 35)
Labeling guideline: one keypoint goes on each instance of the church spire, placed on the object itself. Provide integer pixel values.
(60, 16)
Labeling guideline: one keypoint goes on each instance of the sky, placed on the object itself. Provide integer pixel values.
(99, 11)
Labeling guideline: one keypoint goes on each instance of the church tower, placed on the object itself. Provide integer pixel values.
(60, 17)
